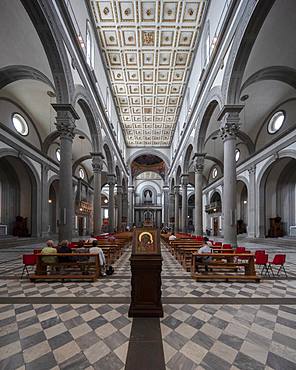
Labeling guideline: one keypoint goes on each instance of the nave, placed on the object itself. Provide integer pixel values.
(205, 325)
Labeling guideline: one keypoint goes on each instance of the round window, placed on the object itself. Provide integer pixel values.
(276, 122)
(81, 173)
(237, 155)
(214, 173)
(20, 124)
(58, 154)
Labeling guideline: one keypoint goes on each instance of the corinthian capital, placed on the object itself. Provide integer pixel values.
(199, 161)
(97, 162)
(65, 120)
(229, 118)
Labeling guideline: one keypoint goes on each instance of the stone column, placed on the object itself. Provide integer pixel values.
(125, 206)
(119, 207)
(198, 209)
(252, 202)
(228, 129)
(131, 191)
(166, 205)
(97, 165)
(111, 180)
(65, 123)
(172, 206)
(184, 221)
(176, 191)
(44, 201)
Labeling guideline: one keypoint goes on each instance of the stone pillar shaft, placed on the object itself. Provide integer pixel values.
(166, 205)
(131, 205)
(229, 129)
(119, 207)
(198, 209)
(111, 213)
(65, 123)
(252, 203)
(97, 164)
(184, 221)
(176, 190)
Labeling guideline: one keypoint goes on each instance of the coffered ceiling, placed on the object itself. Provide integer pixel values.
(148, 50)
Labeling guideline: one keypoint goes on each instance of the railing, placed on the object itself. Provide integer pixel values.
(213, 207)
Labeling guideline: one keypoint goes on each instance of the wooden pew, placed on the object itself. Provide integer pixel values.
(220, 262)
(67, 270)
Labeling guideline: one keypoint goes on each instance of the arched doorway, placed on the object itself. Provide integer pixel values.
(53, 207)
(215, 211)
(242, 207)
(18, 197)
(277, 195)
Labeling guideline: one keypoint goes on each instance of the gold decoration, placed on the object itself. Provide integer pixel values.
(127, 11)
(148, 38)
(106, 11)
(148, 12)
(190, 11)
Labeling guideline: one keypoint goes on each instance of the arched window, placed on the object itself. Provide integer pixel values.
(81, 173)
(89, 46)
(58, 154)
(237, 155)
(214, 173)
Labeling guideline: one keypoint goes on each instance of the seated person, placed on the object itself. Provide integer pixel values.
(64, 248)
(91, 239)
(95, 249)
(172, 237)
(81, 249)
(206, 260)
(49, 249)
(111, 238)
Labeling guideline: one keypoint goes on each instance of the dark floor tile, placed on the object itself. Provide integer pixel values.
(245, 362)
(83, 309)
(122, 309)
(104, 308)
(176, 340)
(43, 309)
(77, 362)
(265, 323)
(9, 338)
(87, 340)
(32, 340)
(203, 340)
(109, 362)
(7, 321)
(72, 323)
(60, 340)
(120, 322)
(181, 362)
(12, 362)
(288, 309)
(97, 322)
(171, 322)
(279, 363)
(285, 340)
(27, 322)
(257, 339)
(45, 362)
(218, 323)
(213, 362)
(231, 341)
(195, 322)
(6, 308)
(50, 322)
(22, 309)
(115, 340)
(285, 322)
(64, 309)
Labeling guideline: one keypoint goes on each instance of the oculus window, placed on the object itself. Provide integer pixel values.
(276, 122)
(20, 124)
(237, 155)
(58, 154)
(214, 173)
(81, 173)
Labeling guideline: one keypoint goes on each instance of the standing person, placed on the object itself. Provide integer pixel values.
(95, 249)
(207, 259)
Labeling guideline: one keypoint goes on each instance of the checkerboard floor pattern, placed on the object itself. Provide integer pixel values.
(229, 337)
(96, 336)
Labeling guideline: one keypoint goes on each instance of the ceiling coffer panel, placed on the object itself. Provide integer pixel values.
(148, 49)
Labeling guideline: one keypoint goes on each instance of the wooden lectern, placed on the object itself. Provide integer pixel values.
(146, 265)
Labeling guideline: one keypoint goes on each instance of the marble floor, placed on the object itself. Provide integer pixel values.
(82, 325)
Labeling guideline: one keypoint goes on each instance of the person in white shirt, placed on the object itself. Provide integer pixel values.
(172, 237)
(91, 239)
(206, 260)
(95, 249)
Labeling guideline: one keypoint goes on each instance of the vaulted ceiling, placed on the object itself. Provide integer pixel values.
(148, 49)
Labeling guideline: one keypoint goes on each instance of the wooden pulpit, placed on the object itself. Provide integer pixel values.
(146, 262)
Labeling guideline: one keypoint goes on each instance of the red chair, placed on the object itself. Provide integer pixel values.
(240, 250)
(258, 252)
(28, 260)
(262, 260)
(278, 260)
(227, 246)
(217, 244)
